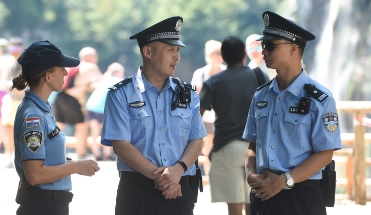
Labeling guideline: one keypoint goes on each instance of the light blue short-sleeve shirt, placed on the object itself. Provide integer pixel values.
(37, 137)
(285, 138)
(147, 121)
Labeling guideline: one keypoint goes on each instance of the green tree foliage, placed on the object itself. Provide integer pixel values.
(107, 24)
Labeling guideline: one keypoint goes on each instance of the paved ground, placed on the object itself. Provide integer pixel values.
(96, 195)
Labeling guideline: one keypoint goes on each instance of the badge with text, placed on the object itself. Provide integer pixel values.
(331, 121)
(33, 140)
(261, 104)
(137, 104)
(32, 122)
(54, 133)
(181, 105)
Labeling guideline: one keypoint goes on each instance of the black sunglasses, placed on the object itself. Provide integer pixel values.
(269, 45)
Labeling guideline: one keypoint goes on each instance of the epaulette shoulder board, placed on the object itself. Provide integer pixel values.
(180, 82)
(121, 84)
(314, 92)
(262, 86)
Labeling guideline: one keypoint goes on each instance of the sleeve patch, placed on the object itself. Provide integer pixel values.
(32, 122)
(33, 140)
(330, 121)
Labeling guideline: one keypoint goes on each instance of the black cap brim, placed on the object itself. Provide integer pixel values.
(270, 37)
(173, 42)
(68, 62)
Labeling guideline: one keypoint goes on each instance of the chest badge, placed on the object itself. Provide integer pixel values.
(54, 133)
(330, 121)
(137, 104)
(261, 104)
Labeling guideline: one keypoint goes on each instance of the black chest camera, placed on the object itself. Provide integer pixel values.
(181, 95)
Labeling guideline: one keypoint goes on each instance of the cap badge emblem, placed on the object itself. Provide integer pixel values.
(266, 20)
(178, 25)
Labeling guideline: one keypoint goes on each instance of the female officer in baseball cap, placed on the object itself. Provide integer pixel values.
(40, 154)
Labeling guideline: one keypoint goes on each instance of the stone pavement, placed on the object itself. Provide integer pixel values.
(96, 195)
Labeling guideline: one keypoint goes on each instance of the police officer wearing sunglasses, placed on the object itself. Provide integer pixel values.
(292, 127)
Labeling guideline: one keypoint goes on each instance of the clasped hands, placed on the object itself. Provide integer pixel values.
(167, 181)
(266, 185)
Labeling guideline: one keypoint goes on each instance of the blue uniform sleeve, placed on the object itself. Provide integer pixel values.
(326, 129)
(116, 124)
(31, 137)
(249, 133)
(197, 128)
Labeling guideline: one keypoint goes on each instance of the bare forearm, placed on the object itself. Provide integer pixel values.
(192, 152)
(37, 173)
(250, 160)
(134, 158)
(311, 165)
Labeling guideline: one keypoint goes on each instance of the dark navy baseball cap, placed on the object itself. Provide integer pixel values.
(277, 27)
(42, 55)
(167, 31)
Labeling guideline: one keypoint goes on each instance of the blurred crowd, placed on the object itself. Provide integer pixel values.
(86, 87)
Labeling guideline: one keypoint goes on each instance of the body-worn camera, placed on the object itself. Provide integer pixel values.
(185, 94)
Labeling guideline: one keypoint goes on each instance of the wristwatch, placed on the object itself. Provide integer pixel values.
(289, 180)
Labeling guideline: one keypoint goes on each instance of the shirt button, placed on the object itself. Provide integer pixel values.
(161, 128)
(159, 97)
(275, 114)
(165, 159)
(274, 130)
(272, 147)
(159, 112)
(272, 161)
(280, 98)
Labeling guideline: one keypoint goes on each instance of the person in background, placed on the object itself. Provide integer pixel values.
(6, 61)
(40, 153)
(292, 127)
(229, 94)
(214, 64)
(254, 52)
(70, 104)
(153, 122)
(95, 106)
(11, 100)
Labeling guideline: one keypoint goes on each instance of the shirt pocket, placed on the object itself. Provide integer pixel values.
(261, 117)
(180, 122)
(297, 127)
(140, 120)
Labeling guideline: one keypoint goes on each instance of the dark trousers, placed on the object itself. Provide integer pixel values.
(136, 195)
(39, 202)
(303, 201)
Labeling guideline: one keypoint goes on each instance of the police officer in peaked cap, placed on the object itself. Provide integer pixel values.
(292, 127)
(152, 121)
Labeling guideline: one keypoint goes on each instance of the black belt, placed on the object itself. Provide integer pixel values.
(135, 178)
(60, 195)
(310, 183)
